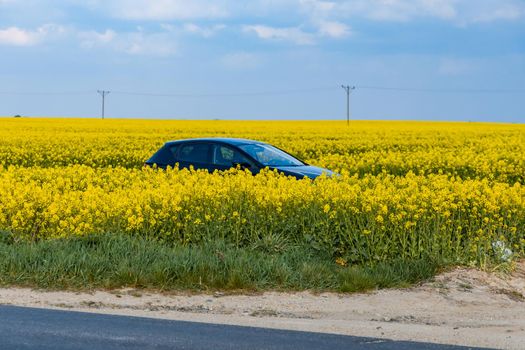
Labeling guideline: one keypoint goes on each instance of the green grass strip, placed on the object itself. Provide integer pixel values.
(113, 261)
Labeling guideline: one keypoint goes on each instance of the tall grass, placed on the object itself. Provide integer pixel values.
(114, 261)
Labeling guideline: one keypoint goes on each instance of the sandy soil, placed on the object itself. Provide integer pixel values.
(464, 307)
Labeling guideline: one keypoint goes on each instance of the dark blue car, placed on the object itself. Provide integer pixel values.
(226, 153)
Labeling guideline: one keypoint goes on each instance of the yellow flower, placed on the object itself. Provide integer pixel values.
(449, 179)
(341, 262)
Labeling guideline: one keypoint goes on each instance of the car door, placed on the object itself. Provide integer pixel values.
(196, 154)
(225, 157)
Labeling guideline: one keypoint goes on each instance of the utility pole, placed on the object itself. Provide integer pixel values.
(103, 93)
(348, 90)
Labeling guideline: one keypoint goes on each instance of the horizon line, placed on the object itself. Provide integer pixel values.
(267, 120)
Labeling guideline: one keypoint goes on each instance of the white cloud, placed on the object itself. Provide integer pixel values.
(318, 7)
(299, 11)
(194, 29)
(334, 29)
(298, 36)
(203, 31)
(292, 34)
(16, 36)
(134, 43)
(399, 10)
(148, 44)
(502, 12)
(165, 9)
(93, 39)
(308, 21)
(457, 11)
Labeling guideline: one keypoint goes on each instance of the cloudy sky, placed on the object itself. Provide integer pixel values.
(267, 59)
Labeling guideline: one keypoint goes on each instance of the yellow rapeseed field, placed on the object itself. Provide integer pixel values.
(408, 189)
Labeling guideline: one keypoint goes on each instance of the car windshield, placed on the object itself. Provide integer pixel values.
(268, 155)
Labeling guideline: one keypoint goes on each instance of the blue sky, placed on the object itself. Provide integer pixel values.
(264, 59)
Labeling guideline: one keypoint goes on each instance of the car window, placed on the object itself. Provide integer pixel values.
(270, 156)
(227, 156)
(173, 150)
(162, 157)
(194, 153)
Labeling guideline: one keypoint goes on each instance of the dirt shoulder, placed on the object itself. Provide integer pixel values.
(464, 307)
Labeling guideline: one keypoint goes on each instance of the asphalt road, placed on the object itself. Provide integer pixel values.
(29, 328)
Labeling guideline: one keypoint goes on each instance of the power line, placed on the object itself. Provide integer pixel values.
(269, 92)
(232, 94)
(439, 90)
(40, 93)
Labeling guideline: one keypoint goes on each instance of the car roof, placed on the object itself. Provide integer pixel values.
(230, 141)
